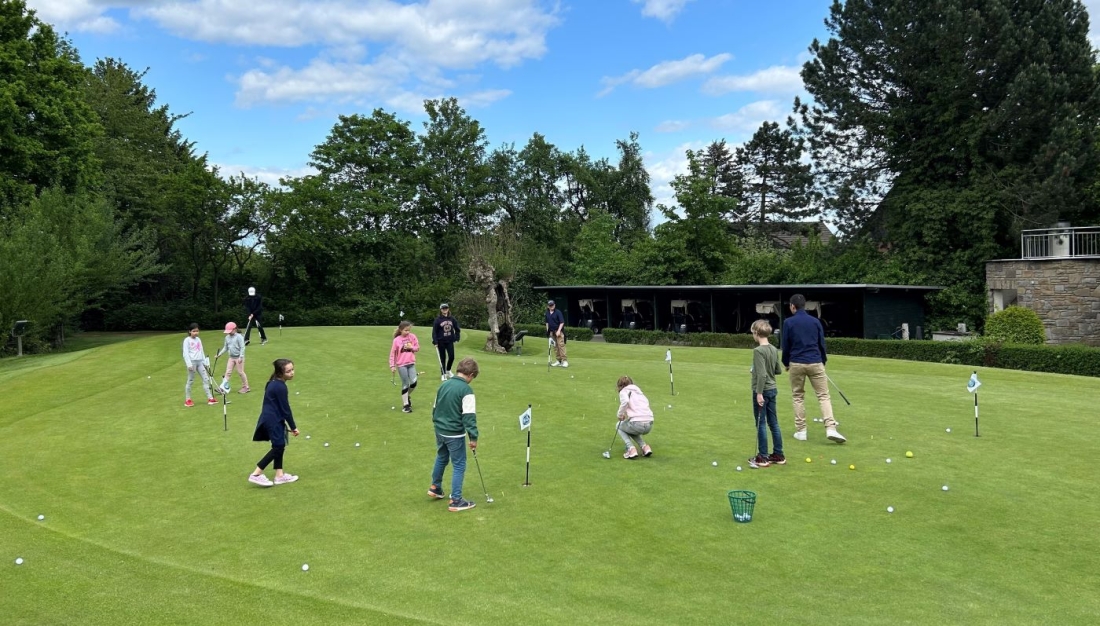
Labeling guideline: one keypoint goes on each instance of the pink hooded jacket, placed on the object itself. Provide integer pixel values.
(634, 404)
(404, 349)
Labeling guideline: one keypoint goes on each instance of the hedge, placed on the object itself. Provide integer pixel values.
(1077, 360)
(572, 333)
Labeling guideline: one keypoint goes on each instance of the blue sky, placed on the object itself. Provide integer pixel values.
(265, 81)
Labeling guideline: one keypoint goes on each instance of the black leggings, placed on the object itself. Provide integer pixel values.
(258, 326)
(274, 454)
(446, 355)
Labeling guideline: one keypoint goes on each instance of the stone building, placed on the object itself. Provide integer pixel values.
(1058, 277)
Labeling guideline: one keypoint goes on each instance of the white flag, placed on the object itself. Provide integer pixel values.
(973, 384)
(525, 419)
(668, 356)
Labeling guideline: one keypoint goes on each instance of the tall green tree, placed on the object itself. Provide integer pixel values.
(776, 184)
(47, 130)
(629, 198)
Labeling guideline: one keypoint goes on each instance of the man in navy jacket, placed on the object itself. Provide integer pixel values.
(803, 341)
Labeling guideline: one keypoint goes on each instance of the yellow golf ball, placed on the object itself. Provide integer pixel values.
(851, 467)
(809, 460)
(908, 455)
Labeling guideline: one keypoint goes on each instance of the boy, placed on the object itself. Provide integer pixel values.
(454, 417)
(765, 367)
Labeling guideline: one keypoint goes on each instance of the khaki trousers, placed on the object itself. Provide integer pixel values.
(559, 345)
(799, 372)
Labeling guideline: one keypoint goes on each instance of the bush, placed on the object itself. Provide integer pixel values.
(1016, 324)
(980, 352)
(572, 333)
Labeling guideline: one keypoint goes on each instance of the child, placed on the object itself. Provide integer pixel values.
(765, 367)
(454, 417)
(635, 418)
(275, 419)
(234, 346)
(445, 334)
(403, 361)
(195, 360)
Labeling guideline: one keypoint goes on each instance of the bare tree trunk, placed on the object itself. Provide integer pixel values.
(498, 305)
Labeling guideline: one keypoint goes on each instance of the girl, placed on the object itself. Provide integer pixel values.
(195, 359)
(403, 360)
(234, 346)
(275, 419)
(635, 418)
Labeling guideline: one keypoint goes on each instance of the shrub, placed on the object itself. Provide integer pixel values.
(572, 333)
(1017, 325)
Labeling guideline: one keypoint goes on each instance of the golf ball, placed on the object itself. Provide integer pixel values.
(948, 430)
(851, 467)
(715, 463)
(908, 455)
(326, 444)
(945, 487)
(305, 567)
(670, 406)
(41, 517)
(739, 468)
(297, 392)
(809, 460)
(489, 500)
(888, 460)
(889, 509)
(19, 561)
(393, 408)
(833, 461)
(356, 444)
(149, 377)
(307, 436)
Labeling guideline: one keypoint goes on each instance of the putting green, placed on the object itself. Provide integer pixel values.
(149, 517)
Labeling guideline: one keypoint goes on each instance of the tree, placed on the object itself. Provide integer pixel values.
(776, 183)
(46, 127)
(598, 256)
(629, 198)
(492, 260)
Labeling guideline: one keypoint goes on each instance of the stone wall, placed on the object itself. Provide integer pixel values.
(1064, 292)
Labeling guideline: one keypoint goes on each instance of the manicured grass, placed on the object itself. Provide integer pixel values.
(149, 518)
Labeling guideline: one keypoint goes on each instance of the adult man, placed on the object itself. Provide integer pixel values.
(454, 418)
(445, 334)
(254, 305)
(803, 341)
(555, 329)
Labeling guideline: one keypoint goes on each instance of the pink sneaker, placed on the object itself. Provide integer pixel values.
(189, 403)
(632, 453)
(260, 480)
(285, 478)
(646, 450)
(211, 401)
(245, 390)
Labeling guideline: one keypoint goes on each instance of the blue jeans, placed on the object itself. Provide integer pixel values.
(766, 419)
(451, 449)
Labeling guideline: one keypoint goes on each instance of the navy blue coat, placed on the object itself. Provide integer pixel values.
(275, 413)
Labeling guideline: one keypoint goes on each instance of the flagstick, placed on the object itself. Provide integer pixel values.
(527, 476)
(976, 414)
(671, 384)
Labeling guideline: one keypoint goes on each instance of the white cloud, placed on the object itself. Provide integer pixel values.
(672, 126)
(665, 166)
(775, 80)
(269, 175)
(663, 10)
(666, 72)
(75, 15)
(749, 117)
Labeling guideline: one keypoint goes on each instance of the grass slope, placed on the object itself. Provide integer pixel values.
(149, 518)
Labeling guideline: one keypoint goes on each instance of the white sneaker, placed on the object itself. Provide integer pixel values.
(565, 363)
(556, 364)
(450, 375)
(801, 435)
(260, 480)
(834, 436)
(442, 377)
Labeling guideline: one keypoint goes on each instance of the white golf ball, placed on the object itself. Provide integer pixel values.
(19, 561)
(356, 444)
(41, 517)
(715, 464)
(739, 468)
(307, 436)
(149, 377)
(393, 408)
(297, 392)
(948, 430)
(833, 462)
(326, 444)
(889, 509)
(945, 487)
(888, 460)
(670, 406)
(305, 567)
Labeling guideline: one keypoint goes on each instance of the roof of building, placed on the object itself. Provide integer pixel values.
(786, 234)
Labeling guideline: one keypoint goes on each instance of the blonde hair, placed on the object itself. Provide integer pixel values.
(468, 366)
(761, 328)
(624, 381)
(400, 327)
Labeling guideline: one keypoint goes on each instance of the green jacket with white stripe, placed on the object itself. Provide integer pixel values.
(455, 411)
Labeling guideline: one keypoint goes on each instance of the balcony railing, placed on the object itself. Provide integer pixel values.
(1060, 243)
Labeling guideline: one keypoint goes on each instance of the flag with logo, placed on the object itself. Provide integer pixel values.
(525, 419)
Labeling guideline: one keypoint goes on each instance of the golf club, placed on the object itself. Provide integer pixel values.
(439, 359)
(607, 452)
(246, 327)
(478, 465)
(549, 348)
(839, 391)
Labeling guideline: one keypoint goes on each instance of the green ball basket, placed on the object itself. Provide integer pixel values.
(742, 504)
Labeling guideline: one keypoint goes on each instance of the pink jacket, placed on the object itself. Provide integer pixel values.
(403, 351)
(634, 404)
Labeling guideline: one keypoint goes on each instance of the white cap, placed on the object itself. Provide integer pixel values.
(251, 291)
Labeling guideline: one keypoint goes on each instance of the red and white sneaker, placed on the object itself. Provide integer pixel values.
(211, 401)
(189, 403)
